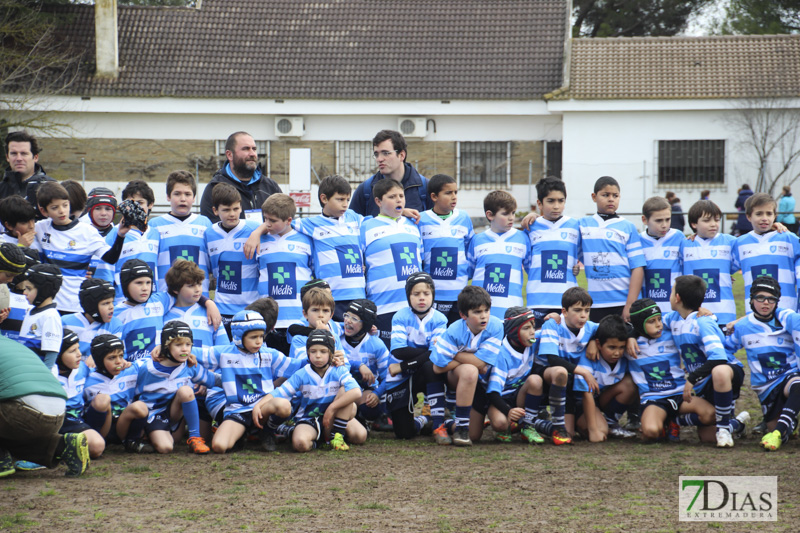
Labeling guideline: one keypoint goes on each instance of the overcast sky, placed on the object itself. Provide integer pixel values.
(705, 19)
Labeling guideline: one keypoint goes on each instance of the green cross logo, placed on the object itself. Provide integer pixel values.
(656, 281)
(185, 255)
(249, 387)
(444, 258)
(658, 374)
(773, 363)
(691, 355)
(554, 262)
(497, 275)
(764, 273)
(281, 275)
(406, 255)
(141, 342)
(315, 413)
(351, 255)
(708, 279)
(228, 273)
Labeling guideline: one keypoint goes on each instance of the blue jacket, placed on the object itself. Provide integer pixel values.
(414, 184)
(786, 204)
(742, 224)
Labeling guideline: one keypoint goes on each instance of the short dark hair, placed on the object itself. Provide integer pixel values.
(611, 327)
(77, 195)
(437, 183)
(230, 143)
(692, 290)
(224, 194)
(15, 209)
(182, 273)
(183, 177)
(268, 308)
(576, 295)
(398, 141)
(496, 201)
(383, 186)
(653, 204)
(141, 188)
(472, 297)
(549, 184)
(49, 191)
(604, 182)
(757, 200)
(279, 205)
(701, 208)
(23, 136)
(331, 185)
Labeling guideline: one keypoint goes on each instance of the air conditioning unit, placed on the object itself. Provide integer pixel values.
(289, 127)
(412, 126)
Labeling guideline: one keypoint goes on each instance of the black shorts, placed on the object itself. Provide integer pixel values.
(449, 310)
(671, 405)
(384, 325)
(161, 422)
(481, 404)
(340, 309)
(736, 385)
(316, 423)
(245, 419)
(112, 437)
(277, 340)
(73, 425)
(773, 404)
(596, 314)
(539, 314)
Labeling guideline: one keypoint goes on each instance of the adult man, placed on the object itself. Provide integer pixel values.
(390, 152)
(24, 173)
(243, 172)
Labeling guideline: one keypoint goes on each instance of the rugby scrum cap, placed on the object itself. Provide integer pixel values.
(641, 311)
(92, 292)
(323, 337)
(366, 310)
(101, 346)
(514, 319)
(47, 280)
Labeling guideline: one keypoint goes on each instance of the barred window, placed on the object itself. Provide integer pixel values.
(689, 162)
(354, 161)
(484, 165)
(553, 151)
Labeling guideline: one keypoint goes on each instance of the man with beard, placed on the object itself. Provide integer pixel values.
(24, 173)
(243, 172)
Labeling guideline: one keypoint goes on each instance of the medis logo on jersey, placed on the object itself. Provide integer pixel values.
(711, 277)
(692, 357)
(248, 387)
(138, 343)
(656, 284)
(773, 365)
(230, 277)
(189, 253)
(764, 270)
(444, 262)
(282, 281)
(554, 266)
(496, 279)
(405, 259)
(658, 376)
(350, 261)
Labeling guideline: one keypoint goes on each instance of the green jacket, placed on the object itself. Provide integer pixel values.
(23, 373)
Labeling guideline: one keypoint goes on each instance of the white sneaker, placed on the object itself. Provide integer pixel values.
(724, 439)
(618, 432)
(744, 419)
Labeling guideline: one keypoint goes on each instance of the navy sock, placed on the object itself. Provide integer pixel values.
(543, 427)
(95, 418)
(450, 400)
(688, 420)
(558, 404)
(790, 409)
(723, 403)
(613, 411)
(339, 426)
(272, 423)
(419, 422)
(192, 416)
(462, 415)
(532, 403)
(435, 397)
(284, 430)
(136, 428)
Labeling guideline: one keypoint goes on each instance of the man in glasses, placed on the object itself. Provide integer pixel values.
(390, 152)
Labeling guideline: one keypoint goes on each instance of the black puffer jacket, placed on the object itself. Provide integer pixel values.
(253, 194)
(12, 184)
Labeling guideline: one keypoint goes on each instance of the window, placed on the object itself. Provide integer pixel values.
(354, 161)
(483, 165)
(553, 155)
(689, 162)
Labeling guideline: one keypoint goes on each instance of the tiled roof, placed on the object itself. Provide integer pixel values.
(345, 49)
(683, 67)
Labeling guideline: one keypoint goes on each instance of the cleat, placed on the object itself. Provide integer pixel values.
(743, 418)
(6, 464)
(531, 436)
(503, 436)
(338, 444)
(29, 466)
(514, 427)
(75, 454)
(724, 439)
(633, 425)
(138, 446)
(560, 436)
(760, 428)
(673, 432)
(618, 432)
(383, 423)
(440, 436)
(198, 445)
(461, 437)
(267, 440)
(772, 441)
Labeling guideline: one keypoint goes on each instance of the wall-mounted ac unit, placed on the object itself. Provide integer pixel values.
(289, 127)
(412, 126)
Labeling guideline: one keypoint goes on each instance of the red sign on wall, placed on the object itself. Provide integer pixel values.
(301, 199)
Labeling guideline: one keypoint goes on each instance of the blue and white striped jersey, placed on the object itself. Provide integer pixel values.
(41, 329)
(554, 251)
(771, 254)
(393, 251)
(297, 350)
(284, 265)
(485, 345)
(184, 239)
(157, 384)
(18, 309)
(336, 328)
(70, 248)
(711, 260)
(142, 324)
(698, 340)
(657, 369)
(371, 351)
(313, 393)
(557, 339)
(770, 349)
(601, 371)
(411, 331)
(237, 276)
(138, 245)
(196, 317)
(121, 388)
(663, 257)
(86, 331)
(496, 261)
(445, 251)
(337, 252)
(100, 269)
(610, 249)
(511, 370)
(73, 385)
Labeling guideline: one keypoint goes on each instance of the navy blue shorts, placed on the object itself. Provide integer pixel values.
(670, 404)
(73, 425)
(314, 422)
(449, 310)
(736, 385)
(161, 422)
(773, 404)
(245, 419)
(539, 314)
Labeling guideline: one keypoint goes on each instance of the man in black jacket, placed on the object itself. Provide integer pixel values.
(24, 174)
(244, 173)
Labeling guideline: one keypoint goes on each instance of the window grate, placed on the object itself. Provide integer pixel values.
(691, 162)
(484, 165)
(354, 161)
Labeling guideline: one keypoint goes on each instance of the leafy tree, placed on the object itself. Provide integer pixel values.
(632, 18)
(749, 17)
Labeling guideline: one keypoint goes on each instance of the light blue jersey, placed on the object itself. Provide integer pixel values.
(138, 245)
(496, 261)
(285, 264)
(372, 352)
(313, 393)
(605, 375)
(196, 317)
(142, 324)
(337, 252)
(711, 260)
(771, 254)
(237, 276)
(18, 309)
(657, 369)
(663, 257)
(484, 345)
(73, 385)
(297, 349)
(156, 385)
(393, 251)
(121, 388)
(554, 252)
(611, 249)
(184, 239)
(557, 339)
(445, 242)
(411, 331)
(511, 370)
(86, 331)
